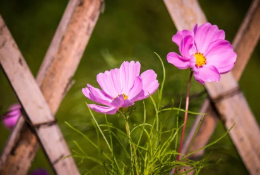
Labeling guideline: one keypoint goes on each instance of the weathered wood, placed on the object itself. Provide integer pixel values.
(11, 141)
(185, 14)
(244, 44)
(28, 138)
(33, 102)
(233, 108)
(247, 38)
(56, 40)
(13, 138)
(81, 16)
(71, 50)
(205, 131)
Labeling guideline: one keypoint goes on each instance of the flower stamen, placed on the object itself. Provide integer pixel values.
(200, 59)
(125, 96)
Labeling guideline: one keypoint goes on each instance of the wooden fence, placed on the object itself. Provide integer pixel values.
(226, 96)
(54, 80)
(61, 61)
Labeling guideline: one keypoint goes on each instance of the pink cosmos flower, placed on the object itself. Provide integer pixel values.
(121, 87)
(205, 50)
(12, 116)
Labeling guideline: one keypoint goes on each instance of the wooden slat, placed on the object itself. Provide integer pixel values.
(33, 102)
(234, 109)
(185, 14)
(208, 124)
(244, 44)
(81, 16)
(56, 40)
(12, 140)
(247, 38)
(18, 141)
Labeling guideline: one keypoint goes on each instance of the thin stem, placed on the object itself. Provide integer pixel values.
(132, 146)
(186, 114)
(185, 119)
(110, 136)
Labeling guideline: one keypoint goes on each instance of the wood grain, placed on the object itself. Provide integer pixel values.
(77, 22)
(244, 44)
(234, 109)
(185, 14)
(33, 102)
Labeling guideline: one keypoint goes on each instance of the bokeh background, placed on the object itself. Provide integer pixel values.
(127, 30)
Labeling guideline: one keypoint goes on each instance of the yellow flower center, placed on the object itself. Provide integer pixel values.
(125, 96)
(200, 59)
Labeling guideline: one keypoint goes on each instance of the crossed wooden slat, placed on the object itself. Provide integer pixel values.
(225, 96)
(54, 80)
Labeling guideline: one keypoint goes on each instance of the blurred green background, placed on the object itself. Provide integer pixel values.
(127, 30)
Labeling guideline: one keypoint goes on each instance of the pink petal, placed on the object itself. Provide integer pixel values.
(14, 112)
(106, 82)
(96, 95)
(207, 73)
(149, 90)
(221, 55)
(10, 121)
(128, 73)
(178, 61)
(186, 48)
(178, 37)
(15, 106)
(115, 76)
(103, 109)
(193, 64)
(205, 34)
(11, 117)
(136, 89)
(194, 29)
(127, 103)
(150, 83)
(118, 101)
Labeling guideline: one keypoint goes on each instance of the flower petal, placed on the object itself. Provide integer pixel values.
(15, 106)
(136, 89)
(221, 55)
(115, 77)
(150, 84)
(106, 82)
(12, 116)
(10, 121)
(127, 103)
(178, 61)
(205, 34)
(193, 64)
(128, 73)
(118, 101)
(178, 37)
(14, 112)
(96, 95)
(207, 73)
(186, 48)
(103, 109)
(194, 29)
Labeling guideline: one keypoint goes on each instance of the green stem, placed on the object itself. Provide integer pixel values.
(185, 119)
(186, 114)
(132, 146)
